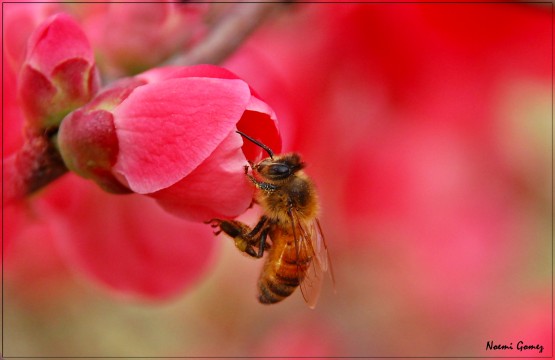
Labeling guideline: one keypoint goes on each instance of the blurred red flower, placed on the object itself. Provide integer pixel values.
(304, 338)
(128, 243)
(124, 36)
(20, 20)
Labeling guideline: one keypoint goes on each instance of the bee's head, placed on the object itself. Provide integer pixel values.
(279, 167)
(275, 167)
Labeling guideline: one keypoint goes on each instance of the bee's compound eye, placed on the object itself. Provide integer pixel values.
(279, 170)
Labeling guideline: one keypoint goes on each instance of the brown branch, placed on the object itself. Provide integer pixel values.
(227, 34)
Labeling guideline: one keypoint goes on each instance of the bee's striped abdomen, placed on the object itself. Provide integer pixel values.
(274, 286)
(282, 272)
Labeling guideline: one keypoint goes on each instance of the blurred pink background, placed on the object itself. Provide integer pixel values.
(428, 131)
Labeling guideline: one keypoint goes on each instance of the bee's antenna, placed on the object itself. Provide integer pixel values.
(268, 150)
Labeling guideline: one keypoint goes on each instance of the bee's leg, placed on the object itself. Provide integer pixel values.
(240, 233)
(215, 223)
(258, 235)
(262, 245)
(262, 185)
(258, 226)
(259, 184)
(260, 241)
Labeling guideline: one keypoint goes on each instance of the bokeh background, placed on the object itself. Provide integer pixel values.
(428, 131)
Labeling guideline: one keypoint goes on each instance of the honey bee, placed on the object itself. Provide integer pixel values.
(289, 229)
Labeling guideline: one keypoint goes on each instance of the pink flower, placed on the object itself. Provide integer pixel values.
(170, 133)
(124, 36)
(20, 20)
(58, 74)
(131, 247)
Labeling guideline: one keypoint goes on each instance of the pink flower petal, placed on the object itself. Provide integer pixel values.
(260, 106)
(127, 243)
(36, 92)
(263, 127)
(172, 72)
(259, 121)
(58, 39)
(76, 78)
(112, 95)
(218, 188)
(167, 129)
(89, 146)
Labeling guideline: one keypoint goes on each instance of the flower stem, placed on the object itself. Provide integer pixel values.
(35, 165)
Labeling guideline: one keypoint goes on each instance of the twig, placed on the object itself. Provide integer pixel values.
(227, 34)
(35, 165)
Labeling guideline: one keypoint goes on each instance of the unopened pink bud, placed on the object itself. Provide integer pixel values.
(59, 72)
(87, 137)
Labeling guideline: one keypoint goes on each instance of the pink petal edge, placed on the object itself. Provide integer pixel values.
(218, 188)
(167, 129)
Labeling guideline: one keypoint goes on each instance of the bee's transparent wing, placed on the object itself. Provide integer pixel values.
(321, 249)
(311, 247)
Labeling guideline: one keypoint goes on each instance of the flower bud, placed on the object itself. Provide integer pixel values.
(58, 74)
(87, 137)
(131, 39)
